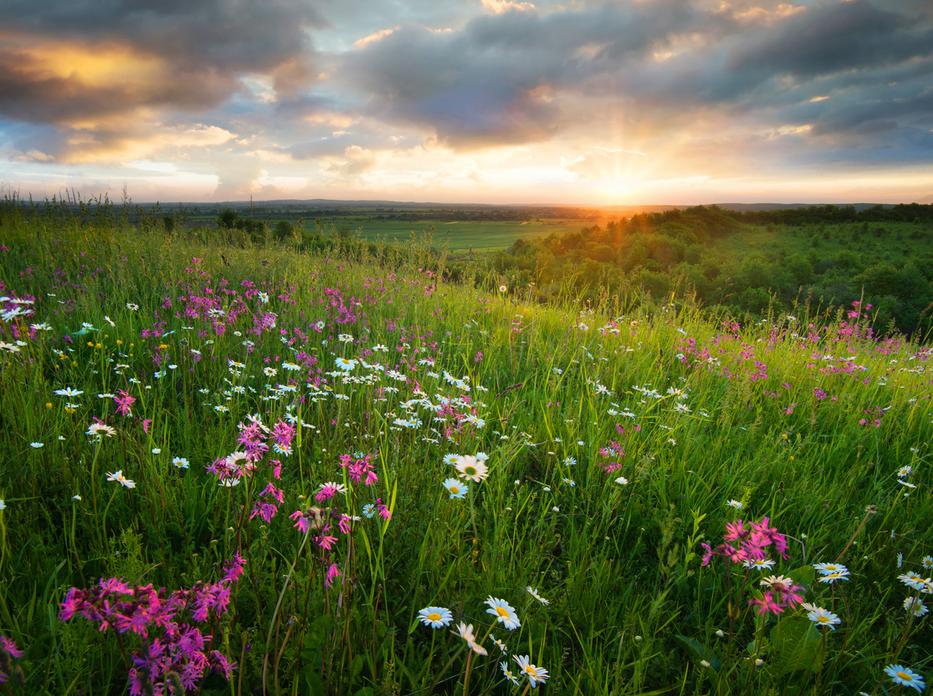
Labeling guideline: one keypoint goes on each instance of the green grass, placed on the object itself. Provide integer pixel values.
(632, 610)
(455, 235)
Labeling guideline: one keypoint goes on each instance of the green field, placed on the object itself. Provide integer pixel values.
(454, 235)
(238, 468)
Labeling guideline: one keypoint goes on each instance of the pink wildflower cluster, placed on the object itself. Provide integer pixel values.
(321, 522)
(781, 594)
(254, 439)
(8, 653)
(267, 506)
(173, 650)
(360, 469)
(747, 541)
(614, 452)
(124, 402)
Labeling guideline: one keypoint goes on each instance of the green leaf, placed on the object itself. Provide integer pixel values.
(805, 575)
(699, 651)
(795, 644)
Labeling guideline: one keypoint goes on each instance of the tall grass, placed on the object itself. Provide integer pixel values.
(613, 444)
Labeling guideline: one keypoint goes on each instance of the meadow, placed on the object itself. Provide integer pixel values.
(242, 468)
(455, 235)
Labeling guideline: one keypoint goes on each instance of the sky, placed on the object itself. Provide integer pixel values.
(487, 101)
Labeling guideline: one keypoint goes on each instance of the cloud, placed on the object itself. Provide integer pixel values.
(89, 66)
(345, 92)
(500, 6)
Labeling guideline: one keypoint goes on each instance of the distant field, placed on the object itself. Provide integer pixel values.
(482, 235)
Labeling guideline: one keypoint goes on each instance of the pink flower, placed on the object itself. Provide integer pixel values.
(766, 604)
(333, 572)
(124, 401)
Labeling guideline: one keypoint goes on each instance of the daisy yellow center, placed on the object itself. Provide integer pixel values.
(501, 612)
(823, 619)
(454, 489)
(470, 470)
(905, 676)
(529, 669)
(434, 616)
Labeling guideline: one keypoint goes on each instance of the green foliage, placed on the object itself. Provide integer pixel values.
(756, 262)
(557, 371)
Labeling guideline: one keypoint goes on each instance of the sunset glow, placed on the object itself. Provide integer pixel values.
(485, 101)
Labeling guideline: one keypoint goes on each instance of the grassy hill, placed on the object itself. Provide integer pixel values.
(248, 469)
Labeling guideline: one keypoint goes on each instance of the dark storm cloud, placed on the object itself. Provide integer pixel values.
(853, 75)
(832, 38)
(523, 76)
(493, 81)
(203, 47)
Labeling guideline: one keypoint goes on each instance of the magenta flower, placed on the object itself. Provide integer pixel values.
(124, 401)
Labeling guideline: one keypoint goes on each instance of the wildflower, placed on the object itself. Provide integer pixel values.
(100, 430)
(622, 481)
(121, 479)
(767, 603)
(830, 578)
(333, 572)
(508, 674)
(180, 462)
(927, 562)
(735, 504)
(504, 613)
(536, 675)
(466, 632)
(455, 488)
(70, 392)
(534, 593)
(915, 606)
(37, 445)
(328, 490)
(827, 568)
(346, 365)
(913, 581)
(451, 459)
(305, 520)
(904, 676)
(822, 617)
(435, 617)
(469, 467)
(124, 401)
(499, 644)
(759, 563)
(2, 504)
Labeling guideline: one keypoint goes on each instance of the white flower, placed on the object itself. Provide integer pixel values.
(466, 632)
(469, 467)
(100, 430)
(121, 479)
(37, 445)
(915, 606)
(822, 617)
(435, 617)
(534, 593)
(536, 675)
(346, 365)
(504, 612)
